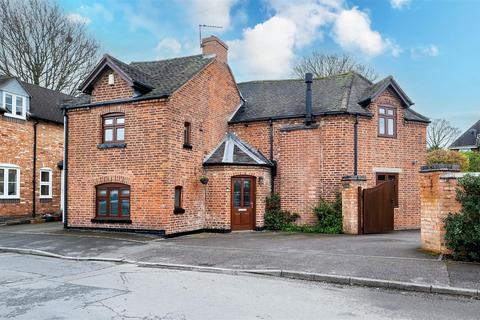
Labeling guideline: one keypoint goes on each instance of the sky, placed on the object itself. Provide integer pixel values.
(431, 47)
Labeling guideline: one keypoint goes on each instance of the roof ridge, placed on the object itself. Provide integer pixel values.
(41, 87)
(297, 79)
(170, 59)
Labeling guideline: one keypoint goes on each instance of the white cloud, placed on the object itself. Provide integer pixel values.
(168, 47)
(268, 49)
(217, 13)
(265, 50)
(430, 51)
(399, 4)
(352, 31)
(77, 18)
(96, 10)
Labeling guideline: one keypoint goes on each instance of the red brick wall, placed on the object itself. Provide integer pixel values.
(154, 161)
(16, 147)
(102, 91)
(311, 163)
(407, 152)
(438, 199)
(218, 194)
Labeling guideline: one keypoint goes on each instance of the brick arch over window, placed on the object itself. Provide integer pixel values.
(112, 179)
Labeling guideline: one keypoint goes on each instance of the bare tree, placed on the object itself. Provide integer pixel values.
(324, 65)
(41, 45)
(440, 134)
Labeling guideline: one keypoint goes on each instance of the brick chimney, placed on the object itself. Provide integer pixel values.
(213, 45)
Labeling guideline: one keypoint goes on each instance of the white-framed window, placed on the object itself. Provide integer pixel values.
(9, 181)
(45, 183)
(15, 105)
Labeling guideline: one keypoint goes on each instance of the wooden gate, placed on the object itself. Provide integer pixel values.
(377, 208)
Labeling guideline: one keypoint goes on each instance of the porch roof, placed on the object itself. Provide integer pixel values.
(234, 151)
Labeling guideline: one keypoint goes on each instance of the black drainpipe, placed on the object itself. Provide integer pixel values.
(34, 181)
(274, 168)
(65, 169)
(308, 99)
(355, 146)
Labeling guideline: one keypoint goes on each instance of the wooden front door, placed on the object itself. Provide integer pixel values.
(243, 203)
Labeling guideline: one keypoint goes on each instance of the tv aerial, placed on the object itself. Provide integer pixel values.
(200, 26)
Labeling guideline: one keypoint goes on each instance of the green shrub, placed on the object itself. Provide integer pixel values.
(463, 229)
(473, 161)
(442, 156)
(276, 218)
(329, 216)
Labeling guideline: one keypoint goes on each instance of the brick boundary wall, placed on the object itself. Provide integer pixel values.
(350, 195)
(438, 198)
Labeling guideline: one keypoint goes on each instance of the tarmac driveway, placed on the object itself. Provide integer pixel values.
(393, 256)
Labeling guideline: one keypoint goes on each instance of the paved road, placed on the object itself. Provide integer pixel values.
(46, 288)
(393, 256)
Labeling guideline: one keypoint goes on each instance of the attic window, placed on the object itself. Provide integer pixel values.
(111, 79)
(386, 122)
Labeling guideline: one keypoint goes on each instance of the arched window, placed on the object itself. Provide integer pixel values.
(114, 128)
(113, 201)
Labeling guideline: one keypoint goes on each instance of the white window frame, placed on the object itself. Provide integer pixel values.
(13, 114)
(9, 167)
(49, 183)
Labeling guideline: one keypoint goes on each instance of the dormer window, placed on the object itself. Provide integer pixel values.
(15, 105)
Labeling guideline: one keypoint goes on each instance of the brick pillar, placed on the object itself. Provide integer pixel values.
(438, 186)
(350, 195)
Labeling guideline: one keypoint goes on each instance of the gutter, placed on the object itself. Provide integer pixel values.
(34, 180)
(321, 114)
(122, 101)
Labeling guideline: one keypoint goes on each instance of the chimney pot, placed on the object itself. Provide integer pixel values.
(308, 77)
(213, 45)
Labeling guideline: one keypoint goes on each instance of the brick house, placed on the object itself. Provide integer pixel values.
(31, 148)
(469, 140)
(159, 130)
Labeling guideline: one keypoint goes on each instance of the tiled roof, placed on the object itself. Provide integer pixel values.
(234, 151)
(160, 78)
(45, 103)
(330, 95)
(469, 138)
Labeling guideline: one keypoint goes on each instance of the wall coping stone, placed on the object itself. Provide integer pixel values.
(354, 178)
(456, 175)
(440, 167)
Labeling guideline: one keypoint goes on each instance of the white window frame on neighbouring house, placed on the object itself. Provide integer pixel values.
(46, 183)
(13, 113)
(6, 168)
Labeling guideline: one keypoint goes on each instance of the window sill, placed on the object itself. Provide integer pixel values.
(107, 220)
(9, 200)
(187, 146)
(178, 210)
(385, 136)
(45, 199)
(111, 145)
(6, 114)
